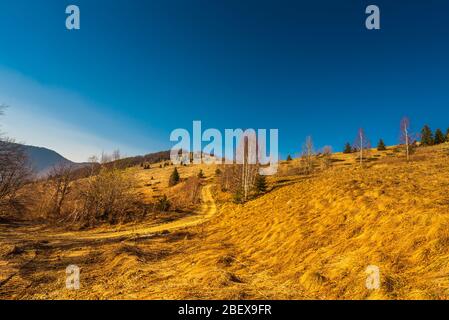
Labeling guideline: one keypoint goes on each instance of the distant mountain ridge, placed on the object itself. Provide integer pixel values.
(149, 158)
(42, 160)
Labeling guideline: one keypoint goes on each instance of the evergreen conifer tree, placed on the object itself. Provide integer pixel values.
(381, 145)
(439, 137)
(426, 136)
(174, 178)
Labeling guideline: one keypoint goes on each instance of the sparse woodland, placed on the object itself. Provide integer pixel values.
(236, 178)
(105, 191)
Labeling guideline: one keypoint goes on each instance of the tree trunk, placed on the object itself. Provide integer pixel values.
(406, 142)
(361, 149)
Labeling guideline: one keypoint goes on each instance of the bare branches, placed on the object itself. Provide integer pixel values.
(406, 138)
(113, 157)
(248, 166)
(61, 177)
(116, 155)
(108, 197)
(326, 157)
(15, 171)
(308, 153)
(239, 178)
(93, 163)
(187, 195)
(92, 159)
(105, 158)
(362, 144)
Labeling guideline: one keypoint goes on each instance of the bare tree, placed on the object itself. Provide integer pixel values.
(60, 178)
(189, 194)
(105, 158)
(239, 177)
(308, 153)
(227, 177)
(326, 157)
(116, 155)
(15, 170)
(361, 144)
(93, 161)
(109, 196)
(247, 165)
(407, 138)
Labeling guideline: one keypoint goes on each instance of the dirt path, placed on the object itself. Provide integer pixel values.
(30, 254)
(142, 230)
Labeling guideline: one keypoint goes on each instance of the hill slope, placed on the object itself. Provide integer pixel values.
(312, 239)
(43, 159)
(317, 237)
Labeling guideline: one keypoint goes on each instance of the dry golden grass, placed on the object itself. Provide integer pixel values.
(154, 182)
(309, 238)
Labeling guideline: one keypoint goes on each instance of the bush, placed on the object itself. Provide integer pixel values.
(107, 197)
(326, 157)
(187, 195)
(238, 196)
(163, 204)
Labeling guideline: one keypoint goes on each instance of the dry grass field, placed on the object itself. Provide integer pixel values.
(308, 237)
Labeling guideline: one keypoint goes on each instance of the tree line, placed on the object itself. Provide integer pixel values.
(408, 140)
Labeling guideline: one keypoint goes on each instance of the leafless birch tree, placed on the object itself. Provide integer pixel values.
(361, 144)
(407, 138)
(239, 177)
(247, 161)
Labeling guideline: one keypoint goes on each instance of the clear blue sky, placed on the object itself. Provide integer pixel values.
(139, 69)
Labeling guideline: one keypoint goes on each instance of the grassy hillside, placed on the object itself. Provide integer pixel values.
(316, 237)
(309, 237)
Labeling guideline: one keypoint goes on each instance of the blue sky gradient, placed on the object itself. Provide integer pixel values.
(139, 69)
